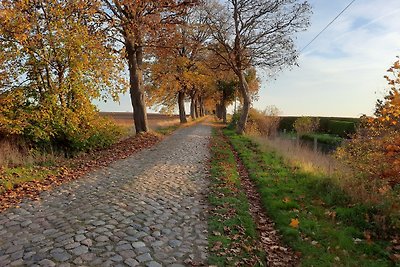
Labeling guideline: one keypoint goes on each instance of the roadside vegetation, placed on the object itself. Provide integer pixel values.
(25, 171)
(338, 209)
(315, 216)
(233, 238)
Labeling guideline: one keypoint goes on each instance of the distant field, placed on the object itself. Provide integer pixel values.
(155, 120)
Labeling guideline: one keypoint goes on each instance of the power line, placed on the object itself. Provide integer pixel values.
(327, 26)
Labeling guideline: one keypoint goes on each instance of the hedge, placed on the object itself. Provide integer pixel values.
(331, 125)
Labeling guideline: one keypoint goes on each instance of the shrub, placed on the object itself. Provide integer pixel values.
(374, 150)
(264, 123)
(305, 125)
(48, 128)
(373, 153)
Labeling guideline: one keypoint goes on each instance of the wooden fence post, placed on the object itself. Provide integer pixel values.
(315, 144)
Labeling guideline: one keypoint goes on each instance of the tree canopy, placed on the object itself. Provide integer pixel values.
(255, 33)
(57, 56)
(54, 61)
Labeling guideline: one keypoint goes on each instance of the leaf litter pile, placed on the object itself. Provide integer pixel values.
(74, 168)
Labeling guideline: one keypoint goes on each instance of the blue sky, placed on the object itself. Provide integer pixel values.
(340, 73)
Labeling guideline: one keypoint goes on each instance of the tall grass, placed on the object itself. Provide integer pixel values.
(304, 158)
(14, 154)
(301, 156)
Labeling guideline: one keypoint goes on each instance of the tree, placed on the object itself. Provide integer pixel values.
(53, 62)
(374, 150)
(225, 84)
(138, 25)
(177, 70)
(256, 33)
(305, 125)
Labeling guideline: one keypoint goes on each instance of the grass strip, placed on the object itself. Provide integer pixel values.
(233, 238)
(314, 216)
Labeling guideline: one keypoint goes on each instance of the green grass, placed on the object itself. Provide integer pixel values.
(232, 232)
(329, 223)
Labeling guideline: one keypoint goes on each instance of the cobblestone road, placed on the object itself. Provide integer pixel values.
(146, 210)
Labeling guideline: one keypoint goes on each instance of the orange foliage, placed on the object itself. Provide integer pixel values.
(374, 150)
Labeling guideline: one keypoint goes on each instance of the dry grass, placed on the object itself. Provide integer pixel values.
(14, 155)
(301, 156)
(156, 121)
(318, 163)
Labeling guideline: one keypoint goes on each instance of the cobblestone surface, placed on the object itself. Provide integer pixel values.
(146, 210)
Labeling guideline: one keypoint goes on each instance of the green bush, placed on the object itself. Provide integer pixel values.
(104, 134)
(234, 120)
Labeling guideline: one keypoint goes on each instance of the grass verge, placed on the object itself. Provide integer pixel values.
(314, 216)
(232, 231)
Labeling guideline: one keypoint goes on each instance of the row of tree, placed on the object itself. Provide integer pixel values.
(56, 56)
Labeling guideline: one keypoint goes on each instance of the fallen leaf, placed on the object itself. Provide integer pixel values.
(294, 223)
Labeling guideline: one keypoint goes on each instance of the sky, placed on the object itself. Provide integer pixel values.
(341, 72)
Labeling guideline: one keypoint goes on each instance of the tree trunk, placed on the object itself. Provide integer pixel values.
(201, 107)
(135, 57)
(218, 111)
(192, 106)
(223, 106)
(196, 107)
(244, 90)
(181, 105)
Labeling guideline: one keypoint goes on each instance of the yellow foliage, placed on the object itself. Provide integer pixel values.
(51, 67)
